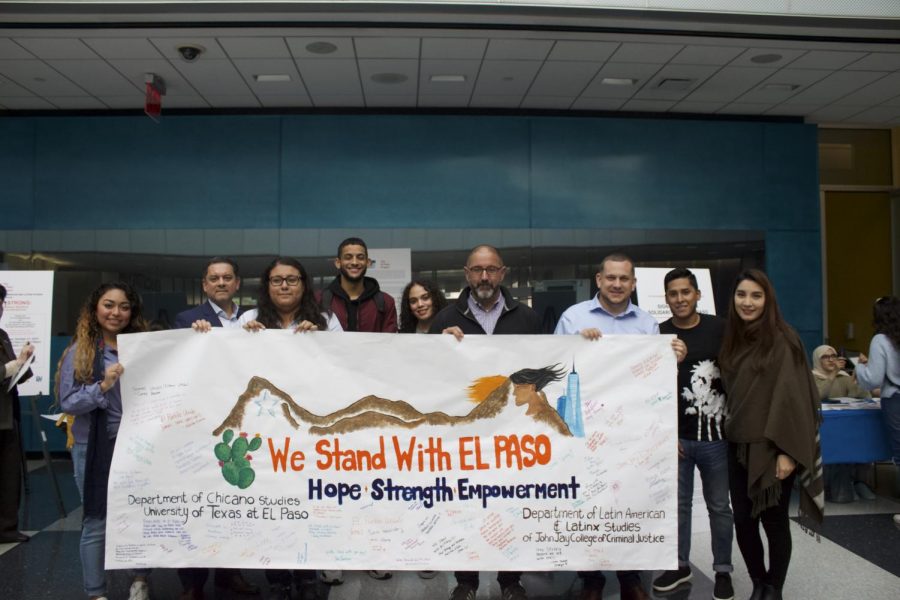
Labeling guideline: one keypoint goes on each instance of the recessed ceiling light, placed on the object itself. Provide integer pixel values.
(618, 81)
(764, 59)
(321, 48)
(448, 78)
(780, 87)
(675, 83)
(272, 78)
(389, 78)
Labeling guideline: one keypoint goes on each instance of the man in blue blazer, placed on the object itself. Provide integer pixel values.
(220, 283)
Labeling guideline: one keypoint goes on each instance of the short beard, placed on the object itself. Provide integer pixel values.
(484, 294)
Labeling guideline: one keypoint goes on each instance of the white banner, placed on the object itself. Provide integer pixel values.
(26, 318)
(374, 451)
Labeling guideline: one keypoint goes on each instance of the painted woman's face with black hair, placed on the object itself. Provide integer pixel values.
(525, 393)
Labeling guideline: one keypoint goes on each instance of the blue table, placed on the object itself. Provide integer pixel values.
(854, 436)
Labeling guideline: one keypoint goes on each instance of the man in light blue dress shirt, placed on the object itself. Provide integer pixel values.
(611, 312)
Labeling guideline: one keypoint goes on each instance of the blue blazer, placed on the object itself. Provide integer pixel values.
(184, 319)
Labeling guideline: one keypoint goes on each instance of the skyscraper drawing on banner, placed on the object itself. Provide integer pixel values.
(569, 406)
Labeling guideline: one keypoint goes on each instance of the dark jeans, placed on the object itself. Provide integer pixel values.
(10, 479)
(504, 578)
(774, 520)
(890, 412)
(192, 578)
(711, 458)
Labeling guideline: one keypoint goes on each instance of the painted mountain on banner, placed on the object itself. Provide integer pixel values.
(263, 399)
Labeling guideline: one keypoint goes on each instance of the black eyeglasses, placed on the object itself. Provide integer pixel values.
(829, 356)
(291, 280)
(481, 270)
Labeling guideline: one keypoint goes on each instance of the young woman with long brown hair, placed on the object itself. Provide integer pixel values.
(771, 424)
(88, 387)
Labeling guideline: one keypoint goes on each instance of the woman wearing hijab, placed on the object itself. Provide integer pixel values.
(833, 382)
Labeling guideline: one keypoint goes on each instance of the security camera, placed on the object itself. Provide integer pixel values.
(190, 53)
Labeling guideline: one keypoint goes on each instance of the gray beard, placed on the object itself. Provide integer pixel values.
(484, 294)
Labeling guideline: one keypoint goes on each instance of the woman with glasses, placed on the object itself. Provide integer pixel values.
(833, 382)
(881, 369)
(286, 301)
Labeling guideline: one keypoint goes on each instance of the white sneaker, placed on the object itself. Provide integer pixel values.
(332, 577)
(139, 591)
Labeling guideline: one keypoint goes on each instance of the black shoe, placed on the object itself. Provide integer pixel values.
(723, 589)
(669, 580)
(13, 537)
(758, 587)
(770, 592)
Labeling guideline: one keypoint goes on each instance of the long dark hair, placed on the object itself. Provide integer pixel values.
(886, 318)
(538, 377)
(759, 334)
(88, 335)
(308, 310)
(408, 320)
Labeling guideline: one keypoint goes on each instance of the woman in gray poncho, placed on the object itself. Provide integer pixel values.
(772, 428)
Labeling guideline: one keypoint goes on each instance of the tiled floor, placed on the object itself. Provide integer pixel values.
(48, 566)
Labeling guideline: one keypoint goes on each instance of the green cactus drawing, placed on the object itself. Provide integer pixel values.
(234, 458)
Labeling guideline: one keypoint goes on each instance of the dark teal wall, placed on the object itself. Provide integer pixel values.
(406, 171)
(382, 171)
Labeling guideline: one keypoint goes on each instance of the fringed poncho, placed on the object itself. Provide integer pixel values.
(770, 411)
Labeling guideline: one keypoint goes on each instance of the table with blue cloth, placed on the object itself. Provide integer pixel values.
(853, 435)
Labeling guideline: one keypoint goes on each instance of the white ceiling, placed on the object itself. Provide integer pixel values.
(827, 71)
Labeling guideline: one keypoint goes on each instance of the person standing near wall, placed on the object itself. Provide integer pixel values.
(701, 439)
(772, 430)
(88, 387)
(355, 299)
(286, 301)
(221, 281)
(881, 369)
(10, 443)
(486, 307)
(612, 312)
(422, 299)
